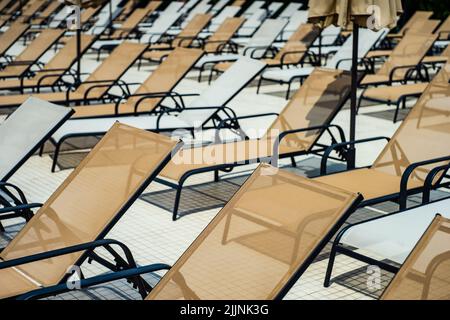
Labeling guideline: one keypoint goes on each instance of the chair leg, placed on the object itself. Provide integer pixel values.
(216, 176)
(2, 229)
(259, 85)
(327, 280)
(41, 150)
(176, 204)
(288, 90)
(55, 155)
(294, 164)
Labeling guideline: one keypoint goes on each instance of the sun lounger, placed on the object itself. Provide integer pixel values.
(294, 52)
(21, 134)
(72, 224)
(158, 29)
(208, 107)
(10, 36)
(257, 47)
(290, 10)
(96, 86)
(268, 222)
(419, 145)
(218, 20)
(413, 23)
(184, 39)
(30, 11)
(253, 8)
(297, 19)
(444, 34)
(425, 274)
(341, 60)
(161, 82)
(388, 240)
(51, 73)
(399, 94)
(23, 63)
(251, 25)
(294, 132)
(49, 10)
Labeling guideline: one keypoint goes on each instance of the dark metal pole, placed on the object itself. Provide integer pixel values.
(78, 80)
(354, 87)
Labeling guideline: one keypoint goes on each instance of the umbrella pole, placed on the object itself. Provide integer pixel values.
(78, 80)
(351, 160)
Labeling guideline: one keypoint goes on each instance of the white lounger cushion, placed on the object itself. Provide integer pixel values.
(393, 237)
(159, 27)
(286, 75)
(291, 9)
(218, 94)
(25, 129)
(217, 58)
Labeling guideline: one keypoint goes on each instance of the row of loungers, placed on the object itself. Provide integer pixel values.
(126, 160)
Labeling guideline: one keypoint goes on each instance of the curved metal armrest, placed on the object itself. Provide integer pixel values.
(93, 281)
(235, 122)
(287, 53)
(6, 185)
(20, 207)
(428, 185)
(326, 154)
(179, 105)
(282, 135)
(392, 73)
(253, 49)
(409, 171)
(124, 86)
(348, 59)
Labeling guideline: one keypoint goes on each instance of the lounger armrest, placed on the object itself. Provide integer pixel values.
(20, 193)
(61, 252)
(430, 181)
(410, 170)
(288, 53)
(234, 122)
(46, 76)
(254, 49)
(124, 86)
(341, 146)
(93, 281)
(20, 207)
(18, 63)
(392, 73)
(344, 60)
(169, 94)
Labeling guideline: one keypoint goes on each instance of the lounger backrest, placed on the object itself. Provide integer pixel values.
(105, 17)
(423, 135)
(409, 52)
(10, 36)
(3, 4)
(428, 26)
(49, 10)
(220, 4)
(192, 29)
(29, 11)
(44, 41)
(113, 67)
(131, 22)
(316, 103)
(25, 130)
(290, 10)
(89, 202)
(189, 5)
(60, 17)
(223, 34)
(299, 42)
(342, 58)
(160, 27)
(173, 7)
(261, 242)
(253, 8)
(444, 29)
(223, 90)
(329, 36)
(425, 275)
(65, 57)
(169, 73)
(298, 18)
(87, 14)
(273, 8)
(415, 19)
(228, 12)
(266, 35)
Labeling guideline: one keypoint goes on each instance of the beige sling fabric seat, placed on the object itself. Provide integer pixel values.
(423, 135)
(407, 55)
(162, 80)
(185, 38)
(50, 9)
(444, 57)
(32, 53)
(292, 53)
(425, 275)
(261, 242)
(109, 72)
(315, 104)
(222, 36)
(85, 206)
(30, 10)
(414, 23)
(53, 69)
